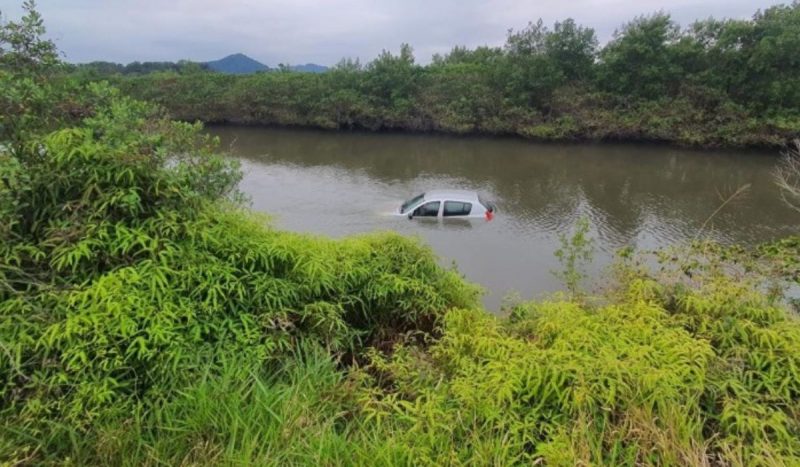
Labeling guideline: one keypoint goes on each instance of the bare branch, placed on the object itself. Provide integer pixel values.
(787, 176)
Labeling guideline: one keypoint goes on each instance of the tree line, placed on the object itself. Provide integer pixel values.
(101, 68)
(731, 82)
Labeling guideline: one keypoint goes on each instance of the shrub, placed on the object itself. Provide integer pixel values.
(690, 374)
(127, 271)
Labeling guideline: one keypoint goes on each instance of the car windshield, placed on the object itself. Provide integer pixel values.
(411, 203)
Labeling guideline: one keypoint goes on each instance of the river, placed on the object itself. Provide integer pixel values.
(643, 196)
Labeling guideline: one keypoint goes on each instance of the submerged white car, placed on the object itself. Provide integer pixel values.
(448, 203)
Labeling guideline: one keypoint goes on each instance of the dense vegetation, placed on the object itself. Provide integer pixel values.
(99, 69)
(713, 83)
(233, 64)
(146, 318)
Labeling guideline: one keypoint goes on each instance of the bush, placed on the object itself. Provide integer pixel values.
(687, 374)
(124, 282)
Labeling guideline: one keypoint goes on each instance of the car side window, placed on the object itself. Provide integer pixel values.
(428, 209)
(456, 208)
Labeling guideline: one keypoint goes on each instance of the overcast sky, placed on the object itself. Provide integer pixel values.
(301, 31)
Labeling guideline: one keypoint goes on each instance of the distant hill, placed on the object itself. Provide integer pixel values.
(242, 64)
(237, 64)
(310, 68)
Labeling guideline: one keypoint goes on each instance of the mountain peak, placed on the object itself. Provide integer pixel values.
(240, 63)
(237, 63)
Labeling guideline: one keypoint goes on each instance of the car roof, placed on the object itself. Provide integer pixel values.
(455, 195)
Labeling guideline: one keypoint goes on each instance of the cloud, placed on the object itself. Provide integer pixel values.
(300, 31)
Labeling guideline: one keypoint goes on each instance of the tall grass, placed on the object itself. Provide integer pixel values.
(242, 415)
(662, 375)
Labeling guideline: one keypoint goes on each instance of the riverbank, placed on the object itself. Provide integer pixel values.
(574, 114)
(715, 83)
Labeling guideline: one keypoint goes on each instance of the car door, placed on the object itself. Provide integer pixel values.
(429, 209)
(456, 209)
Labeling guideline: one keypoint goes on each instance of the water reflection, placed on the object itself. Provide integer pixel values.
(645, 196)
